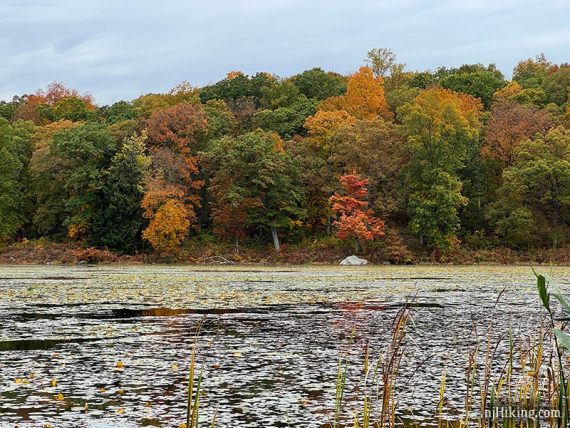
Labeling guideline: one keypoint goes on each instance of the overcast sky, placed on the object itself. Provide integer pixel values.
(119, 49)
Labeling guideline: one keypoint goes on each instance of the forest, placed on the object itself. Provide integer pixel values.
(381, 160)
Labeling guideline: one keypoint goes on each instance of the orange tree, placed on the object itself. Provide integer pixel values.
(356, 220)
(170, 201)
(364, 98)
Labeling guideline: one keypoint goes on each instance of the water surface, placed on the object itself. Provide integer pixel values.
(269, 342)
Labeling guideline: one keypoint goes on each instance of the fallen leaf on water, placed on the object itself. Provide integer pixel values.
(120, 365)
(120, 411)
(59, 397)
(53, 382)
(102, 389)
(174, 367)
(237, 354)
(119, 392)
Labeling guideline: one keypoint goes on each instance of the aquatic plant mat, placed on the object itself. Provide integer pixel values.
(89, 346)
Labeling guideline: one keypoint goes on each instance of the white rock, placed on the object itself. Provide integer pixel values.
(353, 261)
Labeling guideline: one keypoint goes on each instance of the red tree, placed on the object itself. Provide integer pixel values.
(356, 220)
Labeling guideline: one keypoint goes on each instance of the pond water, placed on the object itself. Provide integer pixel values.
(109, 346)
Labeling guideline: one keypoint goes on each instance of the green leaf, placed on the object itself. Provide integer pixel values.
(563, 302)
(542, 290)
(563, 338)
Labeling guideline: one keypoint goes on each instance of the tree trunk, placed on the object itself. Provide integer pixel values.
(275, 239)
(421, 237)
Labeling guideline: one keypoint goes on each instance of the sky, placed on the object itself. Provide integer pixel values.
(120, 49)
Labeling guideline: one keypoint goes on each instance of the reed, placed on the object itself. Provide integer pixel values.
(194, 385)
(522, 381)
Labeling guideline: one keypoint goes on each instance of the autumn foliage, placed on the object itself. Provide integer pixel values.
(168, 227)
(356, 220)
(451, 158)
(170, 199)
(364, 98)
(510, 124)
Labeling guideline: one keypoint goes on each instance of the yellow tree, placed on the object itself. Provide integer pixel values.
(440, 125)
(166, 206)
(324, 124)
(364, 98)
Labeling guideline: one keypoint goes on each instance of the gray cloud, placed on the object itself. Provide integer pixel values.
(121, 49)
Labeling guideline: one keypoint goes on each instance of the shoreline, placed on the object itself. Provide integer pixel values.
(41, 253)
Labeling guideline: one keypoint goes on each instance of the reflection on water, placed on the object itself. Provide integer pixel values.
(39, 344)
(269, 342)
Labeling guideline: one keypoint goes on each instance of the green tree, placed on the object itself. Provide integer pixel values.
(320, 85)
(220, 118)
(279, 94)
(286, 121)
(556, 85)
(255, 172)
(120, 222)
(531, 73)
(15, 198)
(8, 109)
(10, 190)
(118, 112)
(481, 82)
(237, 85)
(440, 125)
(86, 152)
(48, 174)
(433, 207)
(534, 200)
(74, 109)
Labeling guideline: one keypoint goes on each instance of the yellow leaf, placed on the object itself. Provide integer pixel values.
(53, 382)
(59, 397)
(237, 354)
(120, 365)
(120, 411)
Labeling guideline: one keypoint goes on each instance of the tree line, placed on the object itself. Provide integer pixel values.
(455, 156)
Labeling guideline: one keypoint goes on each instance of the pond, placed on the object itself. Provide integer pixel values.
(109, 346)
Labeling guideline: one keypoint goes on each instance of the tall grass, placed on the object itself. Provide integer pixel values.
(529, 378)
(378, 387)
(193, 392)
